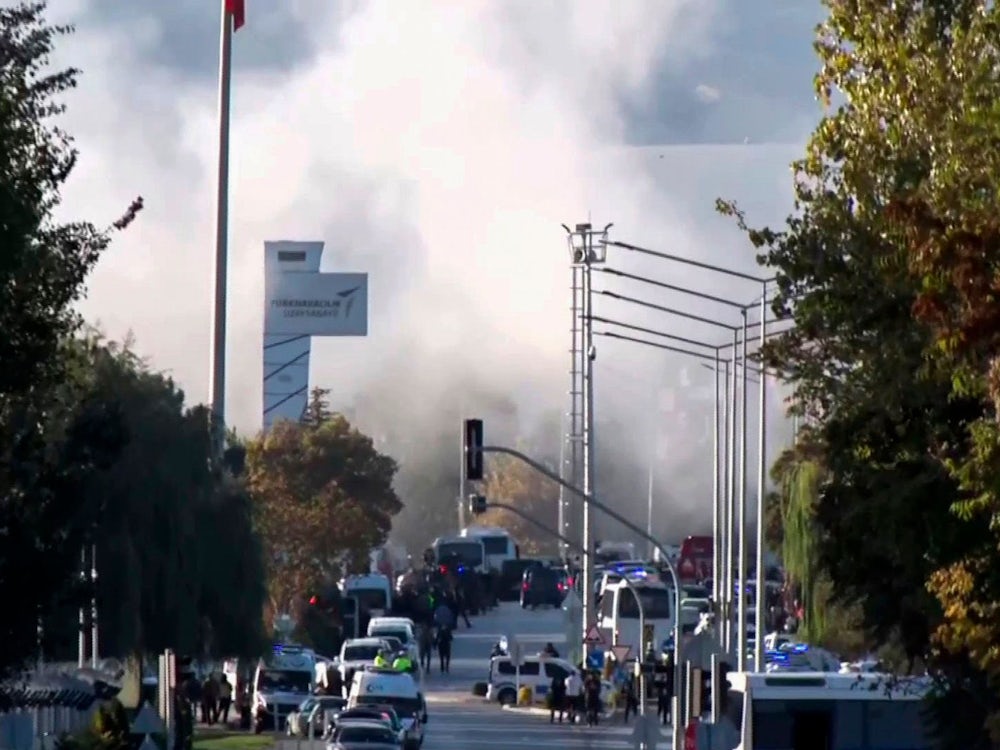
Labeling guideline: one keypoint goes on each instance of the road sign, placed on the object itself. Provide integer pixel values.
(515, 650)
(621, 653)
(147, 721)
(593, 637)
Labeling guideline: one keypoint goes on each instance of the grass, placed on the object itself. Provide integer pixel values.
(232, 741)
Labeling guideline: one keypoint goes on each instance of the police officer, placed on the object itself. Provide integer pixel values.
(402, 663)
(381, 660)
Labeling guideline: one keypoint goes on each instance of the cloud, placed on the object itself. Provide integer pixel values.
(706, 93)
(436, 146)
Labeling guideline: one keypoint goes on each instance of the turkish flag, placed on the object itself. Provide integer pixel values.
(238, 10)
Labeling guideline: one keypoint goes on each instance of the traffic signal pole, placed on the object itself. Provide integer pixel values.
(474, 452)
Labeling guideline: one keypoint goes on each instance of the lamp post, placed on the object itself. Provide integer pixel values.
(587, 247)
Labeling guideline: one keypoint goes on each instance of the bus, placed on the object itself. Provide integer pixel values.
(619, 613)
(469, 552)
(809, 711)
(498, 545)
(696, 561)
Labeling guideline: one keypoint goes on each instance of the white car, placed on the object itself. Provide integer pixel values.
(400, 628)
(358, 653)
(387, 687)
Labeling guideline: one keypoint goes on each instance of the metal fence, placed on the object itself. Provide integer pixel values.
(39, 728)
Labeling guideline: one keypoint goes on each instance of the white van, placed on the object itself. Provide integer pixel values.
(373, 592)
(619, 613)
(400, 628)
(536, 672)
(280, 683)
(387, 687)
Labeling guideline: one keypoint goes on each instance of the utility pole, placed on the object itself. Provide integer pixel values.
(587, 248)
(649, 511)
(563, 548)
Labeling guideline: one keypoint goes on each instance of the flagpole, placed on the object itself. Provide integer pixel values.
(218, 374)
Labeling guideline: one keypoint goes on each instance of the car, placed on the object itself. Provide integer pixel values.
(364, 735)
(540, 585)
(310, 714)
(358, 653)
(383, 713)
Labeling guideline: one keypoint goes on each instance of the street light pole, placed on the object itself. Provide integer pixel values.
(759, 599)
(741, 634)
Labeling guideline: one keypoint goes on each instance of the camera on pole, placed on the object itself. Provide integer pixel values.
(474, 449)
(477, 504)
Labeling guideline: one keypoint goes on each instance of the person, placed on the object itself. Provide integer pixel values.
(592, 691)
(574, 691)
(665, 691)
(209, 698)
(631, 700)
(225, 700)
(425, 645)
(444, 640)
(550, 651)
(381, 661)
(402, 663)
(557, 698)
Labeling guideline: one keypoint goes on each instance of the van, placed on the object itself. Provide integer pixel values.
(373, 592)
(280, 683)
(536, 672)
(387, 687)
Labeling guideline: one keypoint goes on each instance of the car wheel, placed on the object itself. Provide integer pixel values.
(507, 697)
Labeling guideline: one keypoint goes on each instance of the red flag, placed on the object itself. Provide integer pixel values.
(238, 10)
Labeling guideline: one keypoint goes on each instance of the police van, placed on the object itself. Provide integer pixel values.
(536, 672)
(375, 686)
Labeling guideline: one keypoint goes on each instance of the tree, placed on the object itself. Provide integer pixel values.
(323, 498)
(179, 562)
(912, 78)
(513, 482)
(46, 447)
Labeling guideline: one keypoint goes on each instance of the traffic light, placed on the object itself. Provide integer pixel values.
(477, 504)
(474, 449)
(313, 600)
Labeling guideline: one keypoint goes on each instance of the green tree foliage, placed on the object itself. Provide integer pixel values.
(48, 444)
(323, 498)
(888, 266)
(178, 557)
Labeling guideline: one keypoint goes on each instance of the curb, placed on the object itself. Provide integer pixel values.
(538, 711)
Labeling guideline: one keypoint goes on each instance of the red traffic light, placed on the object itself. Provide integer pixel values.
(314, 600)
(443, 569)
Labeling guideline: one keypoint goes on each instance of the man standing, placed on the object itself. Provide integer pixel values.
(574, 692)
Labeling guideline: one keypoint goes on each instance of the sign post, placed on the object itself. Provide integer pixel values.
(147, 722)
(573, 611)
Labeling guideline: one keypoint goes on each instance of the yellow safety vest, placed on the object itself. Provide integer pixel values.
(380, 661)
(402, 663)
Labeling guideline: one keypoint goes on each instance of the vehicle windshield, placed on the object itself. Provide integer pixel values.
(361, 652)
(284, 681)
(400, 634)
(370, 598)
(495, 545)
(655, 604)
(347, 734)
(306, 705)
(367, 714)
(469, 553)
(402, 706)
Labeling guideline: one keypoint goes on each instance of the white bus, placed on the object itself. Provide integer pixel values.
(812, 711)
(619, 613)
(498, 545)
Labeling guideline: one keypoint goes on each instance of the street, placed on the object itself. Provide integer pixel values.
(457, 719)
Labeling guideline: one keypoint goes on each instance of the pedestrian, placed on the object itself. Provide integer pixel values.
(592, 689)
(444, 640)
(631, 700)
(225, 700)
(665, 691)
(461, 609)
(209, 698)
(574, 691)
(425, 645)
(557, 699)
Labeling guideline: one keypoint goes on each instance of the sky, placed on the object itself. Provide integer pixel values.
(439, 146)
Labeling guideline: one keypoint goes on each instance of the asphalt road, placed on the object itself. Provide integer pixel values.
(457, 719)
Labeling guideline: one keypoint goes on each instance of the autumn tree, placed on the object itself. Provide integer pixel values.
(513, 482)
(323, 498)
(887, 267)
(47, 446)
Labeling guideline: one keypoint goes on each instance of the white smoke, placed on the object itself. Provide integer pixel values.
(437, 146)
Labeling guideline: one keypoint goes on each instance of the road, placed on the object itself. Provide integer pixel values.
(457, 719)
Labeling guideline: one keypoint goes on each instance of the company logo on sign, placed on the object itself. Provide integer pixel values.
(336, 307)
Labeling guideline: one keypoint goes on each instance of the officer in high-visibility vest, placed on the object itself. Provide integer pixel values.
(380, 660)
(402, 663)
